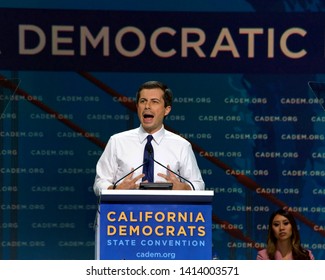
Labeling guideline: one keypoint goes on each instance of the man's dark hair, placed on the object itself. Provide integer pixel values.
(168, 95)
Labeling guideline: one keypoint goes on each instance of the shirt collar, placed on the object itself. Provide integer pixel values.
(157, 136)
(278, 255)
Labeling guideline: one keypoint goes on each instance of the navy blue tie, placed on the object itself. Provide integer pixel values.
(148, 160)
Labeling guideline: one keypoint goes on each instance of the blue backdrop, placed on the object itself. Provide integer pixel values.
(241, 98)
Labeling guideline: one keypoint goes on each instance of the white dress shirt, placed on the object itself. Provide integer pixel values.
(124, 151)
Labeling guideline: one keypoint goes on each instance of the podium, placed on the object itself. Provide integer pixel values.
(154, 225)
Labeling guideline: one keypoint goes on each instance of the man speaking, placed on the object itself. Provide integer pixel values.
(149, 153)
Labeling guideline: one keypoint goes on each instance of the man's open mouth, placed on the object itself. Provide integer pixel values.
(147, 116)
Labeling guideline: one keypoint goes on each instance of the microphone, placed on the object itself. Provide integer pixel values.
(119, 180)
(150, 151)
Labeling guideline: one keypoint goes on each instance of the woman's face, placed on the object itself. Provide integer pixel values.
(281, 227)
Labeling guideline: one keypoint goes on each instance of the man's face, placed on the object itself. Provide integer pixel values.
(151, 109)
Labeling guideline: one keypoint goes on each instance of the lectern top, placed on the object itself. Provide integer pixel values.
(158, 196)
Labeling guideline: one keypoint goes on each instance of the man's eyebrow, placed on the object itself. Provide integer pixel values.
(154, 98)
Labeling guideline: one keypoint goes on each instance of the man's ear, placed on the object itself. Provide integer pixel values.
(167, 110)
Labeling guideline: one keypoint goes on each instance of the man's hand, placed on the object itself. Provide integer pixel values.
(172, 178)
(129, 183)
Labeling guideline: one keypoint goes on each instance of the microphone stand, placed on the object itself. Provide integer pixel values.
(150, 151)
(114, 185)
(175, 173)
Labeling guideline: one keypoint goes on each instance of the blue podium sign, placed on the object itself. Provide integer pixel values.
(147, 225)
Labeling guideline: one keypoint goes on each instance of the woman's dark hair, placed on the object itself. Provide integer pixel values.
(298, 252)
(168, 95)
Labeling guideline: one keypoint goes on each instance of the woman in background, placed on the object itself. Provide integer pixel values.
(283, 239)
